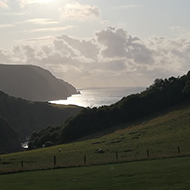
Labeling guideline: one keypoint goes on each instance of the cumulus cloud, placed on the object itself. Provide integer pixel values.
(112, 57)
(82, 12)
(117, 43)
(87, 48)
(170, 54)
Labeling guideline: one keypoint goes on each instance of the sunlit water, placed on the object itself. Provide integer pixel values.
(96, 97)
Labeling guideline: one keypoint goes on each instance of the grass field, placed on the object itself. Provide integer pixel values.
(165, 174)
(165, 135)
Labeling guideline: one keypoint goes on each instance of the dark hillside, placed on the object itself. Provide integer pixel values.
(161, 95)
(8, 138)
(33, 83)
(27, 116)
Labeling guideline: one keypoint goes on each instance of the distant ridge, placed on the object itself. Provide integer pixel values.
(33, 83)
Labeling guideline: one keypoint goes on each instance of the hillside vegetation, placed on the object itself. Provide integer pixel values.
(26, 117)
(161, 95)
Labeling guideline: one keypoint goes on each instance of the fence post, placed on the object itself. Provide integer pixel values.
(84, 159)
(22, 164)
(116, 155)
(148, 155)
(178, 149)
(54, 160)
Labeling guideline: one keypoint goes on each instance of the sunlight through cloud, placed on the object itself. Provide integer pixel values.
(77, 11)
(28, 2)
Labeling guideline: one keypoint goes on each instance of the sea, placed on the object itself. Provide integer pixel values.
(97, 97)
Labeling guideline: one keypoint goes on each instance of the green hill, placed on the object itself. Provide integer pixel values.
(161, 95)
(164, 134)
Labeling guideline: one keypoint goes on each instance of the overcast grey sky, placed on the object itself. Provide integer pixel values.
(98, 43)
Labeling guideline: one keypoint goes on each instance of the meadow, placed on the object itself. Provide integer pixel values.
(166, 135)
(165, 174)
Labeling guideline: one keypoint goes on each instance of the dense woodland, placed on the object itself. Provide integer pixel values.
(161, 95)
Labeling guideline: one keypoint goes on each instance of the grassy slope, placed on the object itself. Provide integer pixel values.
(161, 135)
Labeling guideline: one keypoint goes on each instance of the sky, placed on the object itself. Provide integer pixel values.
(102, 43)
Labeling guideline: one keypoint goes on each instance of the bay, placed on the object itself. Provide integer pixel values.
(96, 97)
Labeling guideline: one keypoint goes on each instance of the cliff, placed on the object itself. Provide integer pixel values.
(33, 83)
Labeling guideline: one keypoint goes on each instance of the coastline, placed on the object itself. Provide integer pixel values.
(97, 97)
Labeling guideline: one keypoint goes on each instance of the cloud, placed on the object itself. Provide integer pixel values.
(4, 4)
(112, 57)
(87, 48)
(51, 29)
(17, 4)
(24, 3)
(81, 12)
(6, 25)
(4, 56)
(170, 54)
(40, 21)
(43, 39)
(179, 31)
(14, 13)
(117, 43)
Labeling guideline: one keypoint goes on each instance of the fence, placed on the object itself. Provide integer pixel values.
(33, 160)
